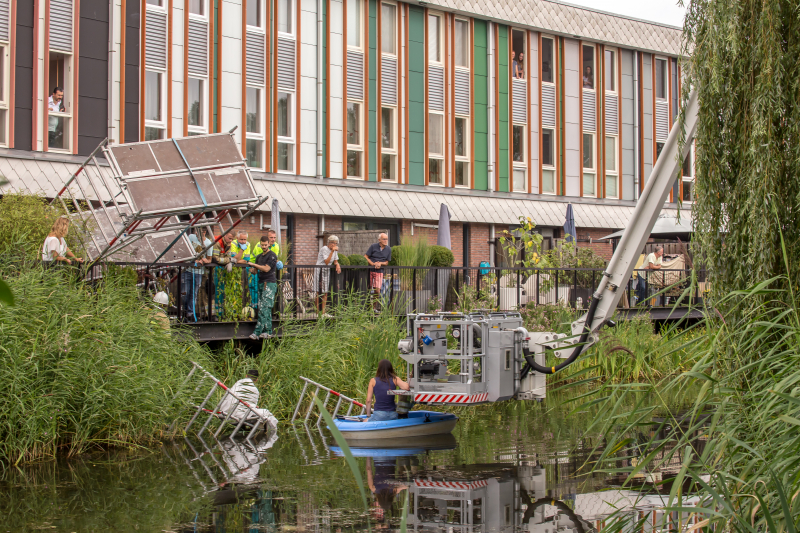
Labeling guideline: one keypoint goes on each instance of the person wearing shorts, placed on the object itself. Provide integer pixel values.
(378, 256)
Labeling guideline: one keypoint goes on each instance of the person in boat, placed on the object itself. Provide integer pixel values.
(384, 381)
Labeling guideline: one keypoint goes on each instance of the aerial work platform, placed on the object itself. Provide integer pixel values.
(140, 207)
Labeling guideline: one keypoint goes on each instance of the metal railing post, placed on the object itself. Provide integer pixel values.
(499, 274)
(537, 286)
(519, 289)
(181, 288)
(556, 288)
(294, 290)
(413, 293)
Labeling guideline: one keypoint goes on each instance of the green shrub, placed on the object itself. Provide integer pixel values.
(398, 252)
(441, 257)
(84, 366)
(344, 260)
(357, 260)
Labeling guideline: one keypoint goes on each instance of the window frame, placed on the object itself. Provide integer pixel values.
(203, 128)
(665, 80)
(688, 179)
(552, 167)
(464, 159)
(162, 124)
(360, 46)
(350, 147)
(589, 170)
(262, 23)
(585, 45)
(259, 137)
(5, 51)
(611, 173)
(390, 151)
(467, 46)
(394, 6)
(438, 16)
(525, 47)
(436, 156)
(290, 139)
(615, 53)
(552, 59)
(205, 10)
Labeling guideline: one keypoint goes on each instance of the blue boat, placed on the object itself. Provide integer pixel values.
(418, 424)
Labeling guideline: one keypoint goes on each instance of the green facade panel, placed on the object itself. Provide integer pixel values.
(372, 90)
(502, 106)
(416, 96)
(480, 111)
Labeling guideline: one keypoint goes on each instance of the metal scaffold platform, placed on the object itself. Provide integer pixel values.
(140, 207)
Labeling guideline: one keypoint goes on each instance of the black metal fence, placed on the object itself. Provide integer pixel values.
(405, 289)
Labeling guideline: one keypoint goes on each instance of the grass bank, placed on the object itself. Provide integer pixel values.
(83, 367)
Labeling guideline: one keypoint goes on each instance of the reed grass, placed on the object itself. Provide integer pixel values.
(83, 366)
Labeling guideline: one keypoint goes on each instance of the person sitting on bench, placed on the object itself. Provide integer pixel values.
(246, 390)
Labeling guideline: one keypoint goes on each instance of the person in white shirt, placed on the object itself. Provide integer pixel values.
(246, 390)
(55, 247)
(652, 262)
(327, 255)
(55, 127)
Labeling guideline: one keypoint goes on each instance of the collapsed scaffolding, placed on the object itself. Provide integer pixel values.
(140, 206)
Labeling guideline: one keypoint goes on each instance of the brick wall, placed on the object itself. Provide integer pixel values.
(254, 229)
(601, 248)
(305, 247)
(478, 244)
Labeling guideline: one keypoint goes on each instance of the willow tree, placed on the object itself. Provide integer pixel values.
(745, 65)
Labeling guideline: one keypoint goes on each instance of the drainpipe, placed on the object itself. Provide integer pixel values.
(636, 176)
(321, 231)
(491, 169)
(491, 244)
(320, 66)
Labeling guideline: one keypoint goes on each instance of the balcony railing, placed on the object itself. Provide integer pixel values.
(405, 289)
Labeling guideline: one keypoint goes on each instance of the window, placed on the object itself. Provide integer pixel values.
(196, 105)
(461, 150)
(610, 70)
(158, 3)
(59, 114)
(354, 23)
(547, 60)
(435, 149)
(255, 13)
(388, 144)
(518, 143)
(154, 124)
(253, 126)
(661, 78)
(588, 165)
(517, 54)
(612, 174)
(588, 67)
(687, 172)
(548, 161)
(197, 7)
(461, 31)
(284, 116)
(434, 38)
(659, 147)
(388, 29)
(354, 148)
(519, 184)
(4, 77)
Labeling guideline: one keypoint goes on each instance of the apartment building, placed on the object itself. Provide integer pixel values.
(359, 114)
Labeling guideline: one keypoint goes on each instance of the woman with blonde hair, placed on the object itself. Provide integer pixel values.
(55, 247)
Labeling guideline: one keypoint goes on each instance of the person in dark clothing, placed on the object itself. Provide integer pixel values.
(268, 265)
(378, 256)
(385, 380)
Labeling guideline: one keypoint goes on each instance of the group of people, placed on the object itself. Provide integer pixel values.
(518, 65)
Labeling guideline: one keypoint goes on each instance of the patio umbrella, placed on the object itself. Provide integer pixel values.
(569, 226)
(443, 239)
(443, 236)
(275, 220)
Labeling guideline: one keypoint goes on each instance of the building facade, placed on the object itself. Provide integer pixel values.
(359, 114)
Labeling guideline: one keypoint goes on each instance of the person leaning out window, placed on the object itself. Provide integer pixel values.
(55, 248)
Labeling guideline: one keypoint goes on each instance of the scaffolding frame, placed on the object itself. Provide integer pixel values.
(149, 187)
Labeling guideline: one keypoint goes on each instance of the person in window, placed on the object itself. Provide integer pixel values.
(588, 78)
(55, 248)
(514, 64)
(55, 127)
(327, 255)
(520, 72)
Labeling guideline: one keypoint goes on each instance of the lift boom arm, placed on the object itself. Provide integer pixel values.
(649, 206)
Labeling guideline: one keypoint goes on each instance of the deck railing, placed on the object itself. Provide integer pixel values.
(405, 289)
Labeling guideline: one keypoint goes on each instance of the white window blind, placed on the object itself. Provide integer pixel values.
(612, 115)
(198, 47)
(355, 75)
(435, 88)
(662, 120)
(389, 80)
(5, 16)
(519, 100)
(462, 78)
(589, 111)
(60, 25)
(155, 40)
(548, 105)
(286, 63)
(256, 58)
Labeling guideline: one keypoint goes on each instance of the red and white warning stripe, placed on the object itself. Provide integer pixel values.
(433, 397)
(451, 484)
